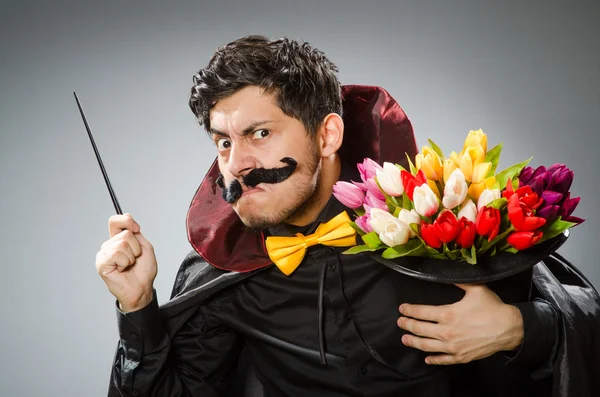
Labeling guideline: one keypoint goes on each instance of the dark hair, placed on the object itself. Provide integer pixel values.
(301, 78)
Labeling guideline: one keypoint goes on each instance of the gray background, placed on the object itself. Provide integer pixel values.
(528, 73)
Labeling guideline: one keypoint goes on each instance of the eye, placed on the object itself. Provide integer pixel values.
(223, 144)
(260, 134)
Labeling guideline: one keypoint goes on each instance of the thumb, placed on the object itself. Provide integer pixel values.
(142, 240)
(471, 287)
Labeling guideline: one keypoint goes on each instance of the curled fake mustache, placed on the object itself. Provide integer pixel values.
(233, 192)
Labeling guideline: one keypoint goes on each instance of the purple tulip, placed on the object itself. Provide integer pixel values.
(567, 208)
(552, 185)
(348, 194)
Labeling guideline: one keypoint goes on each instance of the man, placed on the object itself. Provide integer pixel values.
(335, 325)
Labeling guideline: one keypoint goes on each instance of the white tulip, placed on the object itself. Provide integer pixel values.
(391, 230)
(487, 196)
(455, 190)
(426, 202)
(468, 210)
(409, 217)
(389, 180)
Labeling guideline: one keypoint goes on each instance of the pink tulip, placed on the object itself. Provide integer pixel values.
(373, 201)
(374, 189)
(368, 169)
(348, 194)
(364, 221)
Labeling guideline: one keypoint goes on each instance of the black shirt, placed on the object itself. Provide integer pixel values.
(328, 329)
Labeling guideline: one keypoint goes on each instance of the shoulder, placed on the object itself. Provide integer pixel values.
(193, 271)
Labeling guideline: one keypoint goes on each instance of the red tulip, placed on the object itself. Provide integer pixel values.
(524, 240)
(509, 191)
(429, 236)
(466, 234)
(488, 222)
(521, 216)
(410, 181)
(446, 226)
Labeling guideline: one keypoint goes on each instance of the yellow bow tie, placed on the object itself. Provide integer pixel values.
(287, 252)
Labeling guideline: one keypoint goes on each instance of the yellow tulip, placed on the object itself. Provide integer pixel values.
(476, 138)
(480, 172)
(430, 163)
(449, 166)
(470, 157)
(434, 187)
(455, 157)
(475, 189)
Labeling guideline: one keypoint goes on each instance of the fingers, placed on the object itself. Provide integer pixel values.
(424, 312)
(421, 328)
(443, 359)
(425, 344)
(118, 253)
(109, 261)
(118, 223)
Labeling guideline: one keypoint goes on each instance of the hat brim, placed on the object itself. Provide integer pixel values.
(494, 268)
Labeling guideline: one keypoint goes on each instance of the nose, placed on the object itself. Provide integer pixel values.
(240, 161)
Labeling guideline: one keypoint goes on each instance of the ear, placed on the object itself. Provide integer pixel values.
(331, 134)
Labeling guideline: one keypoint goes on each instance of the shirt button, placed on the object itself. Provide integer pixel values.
(136, 336)
(363, 370)
(332, 267)
(135, 393)
(347, 316)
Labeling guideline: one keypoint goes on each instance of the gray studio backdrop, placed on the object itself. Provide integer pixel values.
(528, 73)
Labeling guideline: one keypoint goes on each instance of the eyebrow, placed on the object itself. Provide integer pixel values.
(248, 130)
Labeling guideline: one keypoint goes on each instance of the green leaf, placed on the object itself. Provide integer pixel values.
(357, 249)
(372, 240)
(406, 203)
(512, 250)
(413, 247)
(452, 254)
(397, 212)
(357, 228)
(485, 245)
(392, 204)
(510, 173)
(416, 228)
(413, 169)
(498, 204)
(436, 149)
(467, 254)
(359, 211)
(493, 156)
(555, 228)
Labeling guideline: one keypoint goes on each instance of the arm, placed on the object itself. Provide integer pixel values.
(193, 362)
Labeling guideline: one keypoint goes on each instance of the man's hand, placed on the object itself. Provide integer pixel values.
(476, 327)
(127, 264)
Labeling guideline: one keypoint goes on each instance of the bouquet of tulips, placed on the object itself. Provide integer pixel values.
(458, 207)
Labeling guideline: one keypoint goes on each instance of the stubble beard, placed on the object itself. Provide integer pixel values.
(300, 199)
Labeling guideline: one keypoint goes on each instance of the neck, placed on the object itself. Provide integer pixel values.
(328, 175)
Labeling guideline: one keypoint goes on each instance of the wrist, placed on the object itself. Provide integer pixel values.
(138, 304)
(516, 331)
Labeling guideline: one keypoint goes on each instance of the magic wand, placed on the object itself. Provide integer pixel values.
(113, 196)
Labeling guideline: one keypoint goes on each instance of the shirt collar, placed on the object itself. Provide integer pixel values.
(331, 209)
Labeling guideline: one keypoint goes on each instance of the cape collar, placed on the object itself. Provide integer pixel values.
(375, 126)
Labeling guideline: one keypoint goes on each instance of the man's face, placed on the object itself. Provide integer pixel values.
(250, 131)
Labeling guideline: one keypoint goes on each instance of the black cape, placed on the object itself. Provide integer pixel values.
(556, 280)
